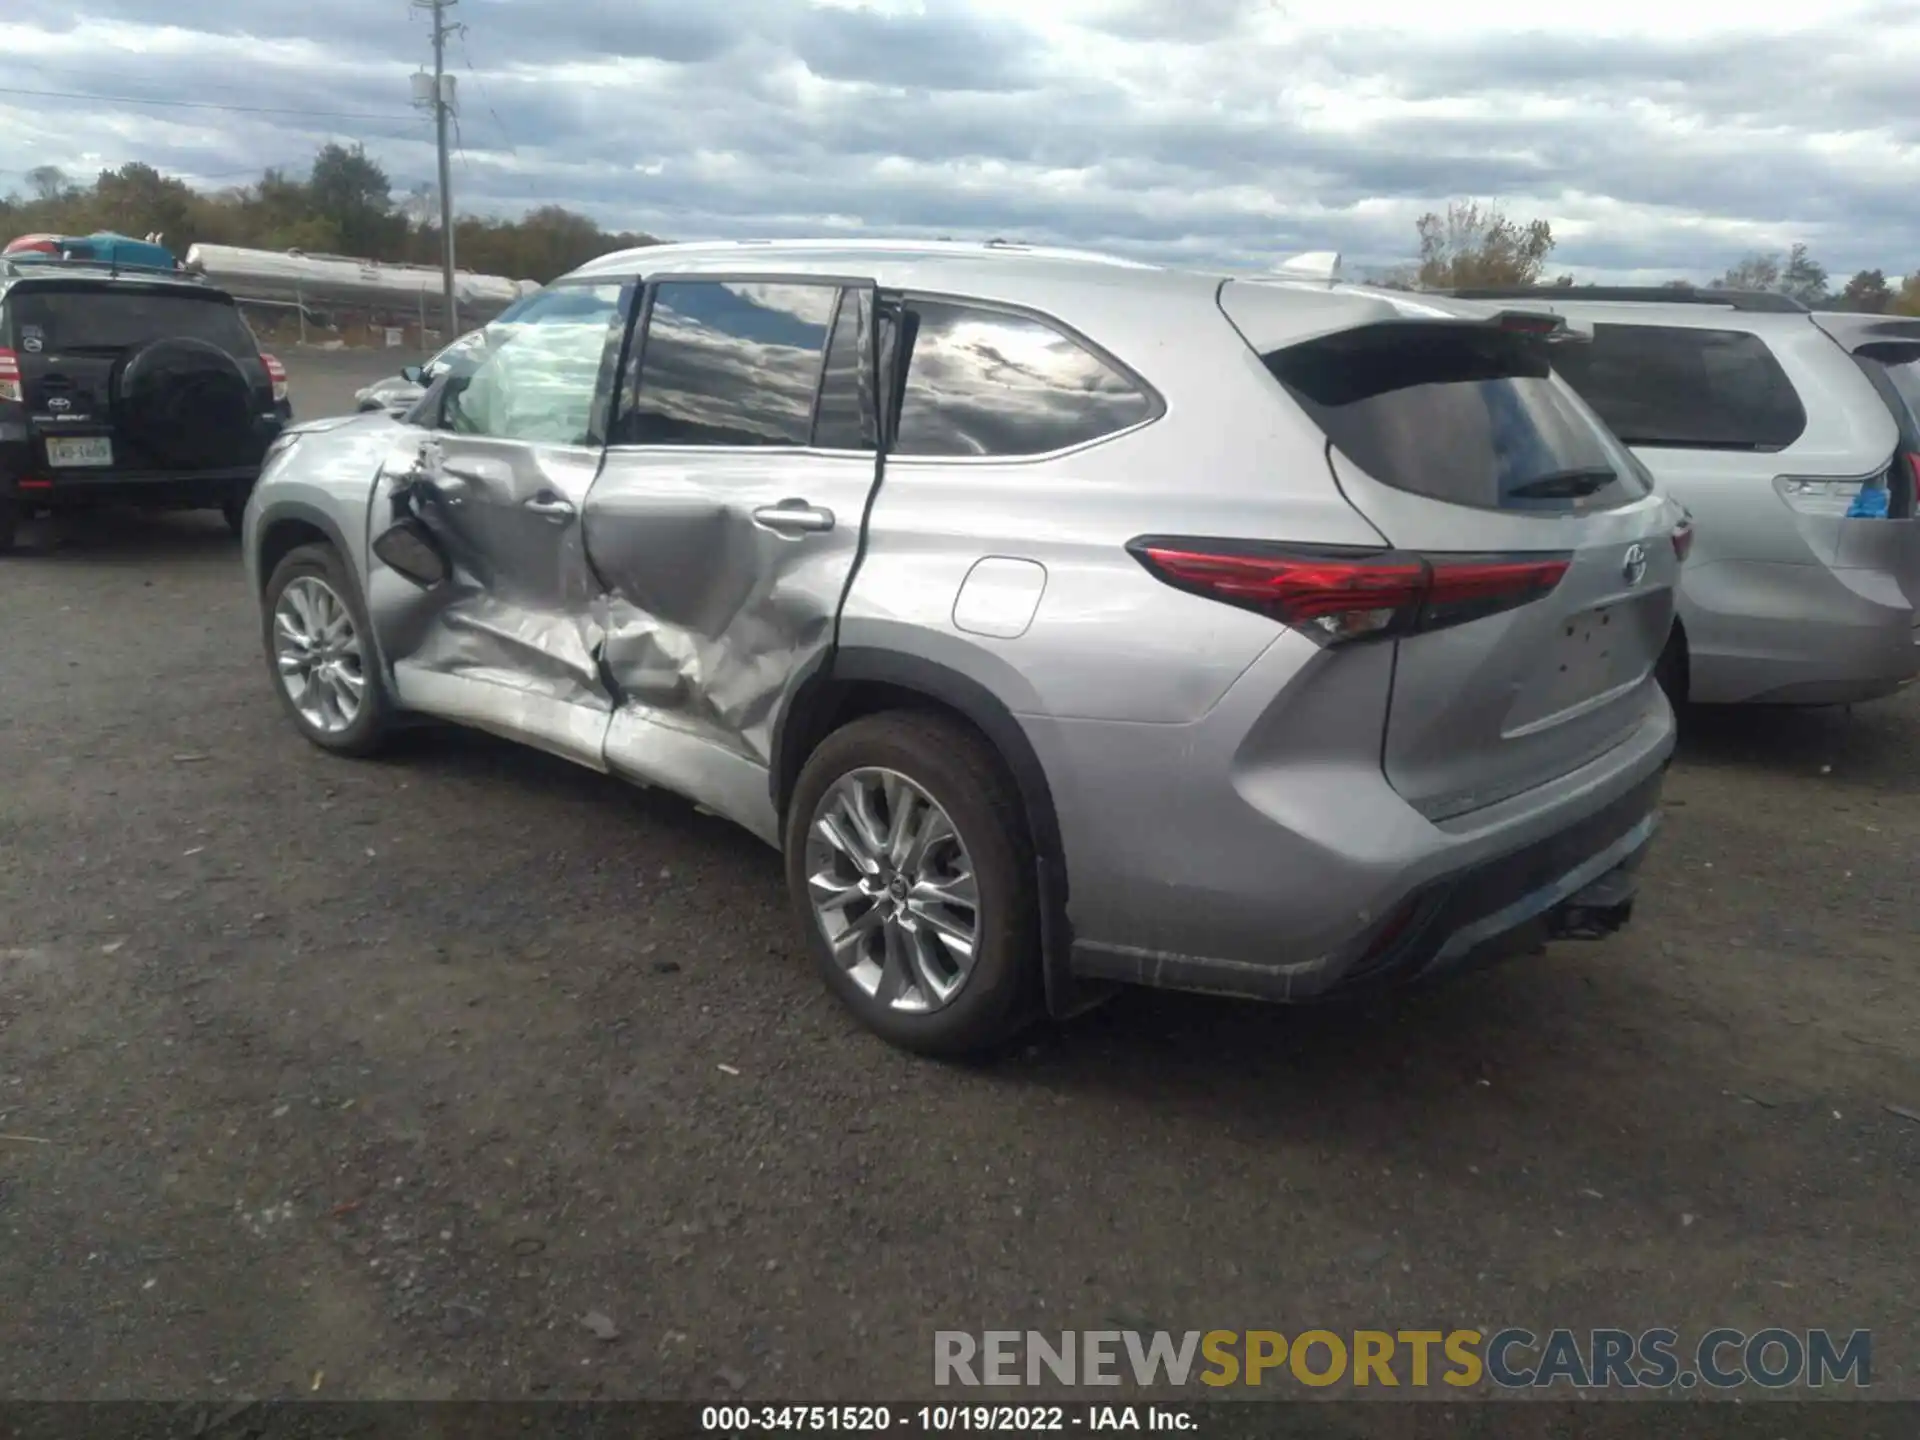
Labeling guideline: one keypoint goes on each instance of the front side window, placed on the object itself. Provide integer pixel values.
(982, 382)
(534, 380)
(1686, 388)
(733, 363)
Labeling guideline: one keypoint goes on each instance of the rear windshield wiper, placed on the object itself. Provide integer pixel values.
(1565, 484)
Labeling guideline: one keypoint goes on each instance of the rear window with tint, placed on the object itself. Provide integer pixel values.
(1462, 413)
(1683, 388)
(112, 320)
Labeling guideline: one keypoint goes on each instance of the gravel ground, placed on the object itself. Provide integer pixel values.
(375, 1079)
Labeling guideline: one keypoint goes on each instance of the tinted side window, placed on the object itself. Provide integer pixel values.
(535, 381)
(1461, 413)
(983, 382)
(846, 418)
(728, 363)
(1694, 389)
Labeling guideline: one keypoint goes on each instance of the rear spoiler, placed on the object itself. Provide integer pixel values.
(1891, 339)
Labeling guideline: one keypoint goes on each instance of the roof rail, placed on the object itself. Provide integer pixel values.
(26, 262)
(1760, 302)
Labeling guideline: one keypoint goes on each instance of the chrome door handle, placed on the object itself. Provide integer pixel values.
(794, 517)
(554, 507)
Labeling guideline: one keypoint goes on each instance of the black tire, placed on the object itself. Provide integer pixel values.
(374, 721)
(234, 512)
(9, 524)
(956, 767)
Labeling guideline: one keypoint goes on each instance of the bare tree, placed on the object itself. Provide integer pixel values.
(1796, 273)
(47, 182)
(1476, 244)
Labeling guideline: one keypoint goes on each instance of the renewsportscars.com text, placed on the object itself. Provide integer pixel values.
(1722, 1359)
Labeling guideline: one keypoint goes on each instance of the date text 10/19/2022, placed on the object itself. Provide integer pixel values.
(759, 1419)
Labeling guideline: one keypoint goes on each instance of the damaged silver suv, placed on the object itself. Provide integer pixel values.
(1063, 621)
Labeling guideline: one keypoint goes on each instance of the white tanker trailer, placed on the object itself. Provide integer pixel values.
(316, 282)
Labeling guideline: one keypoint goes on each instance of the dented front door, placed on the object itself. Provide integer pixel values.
(726, 522)
(510, 641)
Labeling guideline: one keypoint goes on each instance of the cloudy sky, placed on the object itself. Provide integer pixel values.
(1660, 138)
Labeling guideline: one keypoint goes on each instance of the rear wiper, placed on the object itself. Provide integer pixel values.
(1564, 484)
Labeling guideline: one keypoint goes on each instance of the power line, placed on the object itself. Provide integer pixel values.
(485, 98)
(202, 105)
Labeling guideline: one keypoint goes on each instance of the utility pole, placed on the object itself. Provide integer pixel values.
(442, 102)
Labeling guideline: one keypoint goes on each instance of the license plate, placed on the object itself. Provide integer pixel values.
(80, 450)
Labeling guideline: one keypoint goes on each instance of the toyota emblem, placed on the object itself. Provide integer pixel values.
(1634, 567)
(59, 403)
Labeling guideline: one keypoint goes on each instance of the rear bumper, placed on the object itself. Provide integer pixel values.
(1579, 884)
(63, 489)
(1262, 852)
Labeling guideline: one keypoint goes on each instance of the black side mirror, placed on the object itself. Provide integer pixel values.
(410, 549)
(413, 374)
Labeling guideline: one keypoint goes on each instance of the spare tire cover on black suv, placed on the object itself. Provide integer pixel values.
(188, 404)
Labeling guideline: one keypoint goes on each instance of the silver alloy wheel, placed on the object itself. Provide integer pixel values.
(893, 891)
(317, 652)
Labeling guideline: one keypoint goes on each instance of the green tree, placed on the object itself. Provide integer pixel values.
(349, 191)
(1476, 244)
(1868, 291)
(343, 204)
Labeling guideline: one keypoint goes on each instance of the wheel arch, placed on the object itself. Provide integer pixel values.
(852, 681)
(284, 527)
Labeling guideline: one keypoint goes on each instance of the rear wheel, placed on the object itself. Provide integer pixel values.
(9, 524)
(910, 866)
(320, 651)
(234, 512)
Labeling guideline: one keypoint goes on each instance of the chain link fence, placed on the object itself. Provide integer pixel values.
(407, 330)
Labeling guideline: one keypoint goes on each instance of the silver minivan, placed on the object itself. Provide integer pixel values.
(1064, 621)
(1786, 436)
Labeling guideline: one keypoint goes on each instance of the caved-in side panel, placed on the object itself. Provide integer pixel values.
(714, 603)
(519, 608)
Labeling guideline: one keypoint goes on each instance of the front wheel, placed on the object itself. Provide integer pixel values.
(321, 654)
(909, 863)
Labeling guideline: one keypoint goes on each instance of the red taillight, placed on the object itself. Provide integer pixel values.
(1334, 597)
(277, 374)
(1682, 540)
(34, 484)
(10, 377)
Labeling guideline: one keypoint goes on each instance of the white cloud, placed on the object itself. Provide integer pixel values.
(1659, 139)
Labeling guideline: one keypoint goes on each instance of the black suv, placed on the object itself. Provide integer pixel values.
(121, 385)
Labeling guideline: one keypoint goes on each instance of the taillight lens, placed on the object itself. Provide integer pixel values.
(1683, 540)
(277, 373)
(1336, 596)
(10, 388)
